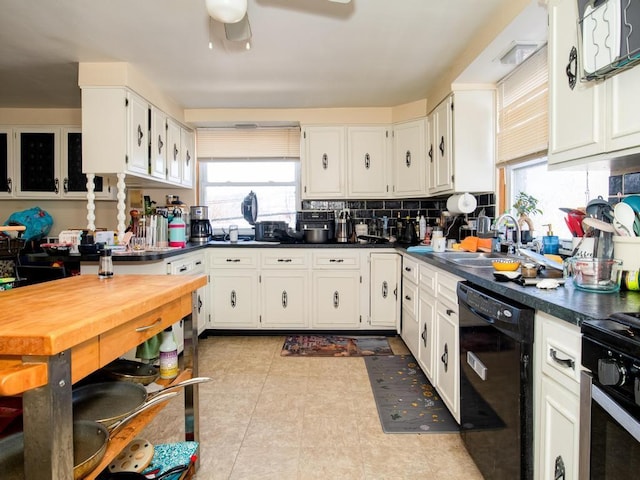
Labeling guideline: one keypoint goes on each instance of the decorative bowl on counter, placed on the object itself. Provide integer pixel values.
(506, 264)
(596, 274)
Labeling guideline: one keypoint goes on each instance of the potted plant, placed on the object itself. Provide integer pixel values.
(526, 206)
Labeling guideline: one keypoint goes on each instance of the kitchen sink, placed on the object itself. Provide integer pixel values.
(472, 259)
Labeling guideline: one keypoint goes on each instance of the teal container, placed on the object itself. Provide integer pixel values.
(550, 244)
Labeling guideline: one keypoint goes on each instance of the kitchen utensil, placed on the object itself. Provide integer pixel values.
(601, 209)
(623, 220)
(596, 274)
(316, 235)
(131, 371)
(598, 224)
(633, 201)
(541, 259)
(409, 236)
(342, 227)
(249, 208)
(108, 402)
(140, 476)
(506, 275)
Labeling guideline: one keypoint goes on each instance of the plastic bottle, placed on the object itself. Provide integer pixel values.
(168, 355)
(177, 233)
(423, 228)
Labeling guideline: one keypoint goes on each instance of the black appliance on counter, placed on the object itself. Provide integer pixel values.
(321, 219)
(610, 398)
(496, 390)
(270, 231)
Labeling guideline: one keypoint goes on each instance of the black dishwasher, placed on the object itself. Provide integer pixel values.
(496, 391)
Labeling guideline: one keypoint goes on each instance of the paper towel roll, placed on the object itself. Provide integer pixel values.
(461, 203)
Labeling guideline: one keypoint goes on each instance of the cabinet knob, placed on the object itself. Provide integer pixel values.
(385, 289)
(325, 161)
(9, 186)
(285, 299)
(233, 299)
(160, 144)
(431, 153)
(65, 185)
(441, 147)
(140, 135)
(367, 161)
(407, 158)
(336, 299)
(445, 357)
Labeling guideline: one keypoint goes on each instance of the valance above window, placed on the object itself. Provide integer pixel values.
(248, 143)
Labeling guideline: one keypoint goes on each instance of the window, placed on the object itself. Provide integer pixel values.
(555, 189)
(225, 183)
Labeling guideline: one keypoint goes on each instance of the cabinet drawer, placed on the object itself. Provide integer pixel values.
(409, 299)
(284, 259)
(410, 269)
(336, 259)
(133, 333)
(446, 285)
(561, 347)
(427, 279)
(233, 258)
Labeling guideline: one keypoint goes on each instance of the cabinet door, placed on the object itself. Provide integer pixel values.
(367, 162)
(409, 158)
(74, 182)
(187, 141)
(6, 163)
(284, 299)
(427, 330)
(158, 143)
(38, 153)
(410, 330)
(174, 159)
(384, 290)
(336, 299)
(576, 129)
(447, 366)
(560, 430)
(440, 151)
(234, 299)
(623, 98)
(323, 162)
(138, 134)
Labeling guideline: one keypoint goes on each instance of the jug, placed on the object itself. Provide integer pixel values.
(484, 224)
(409, 236)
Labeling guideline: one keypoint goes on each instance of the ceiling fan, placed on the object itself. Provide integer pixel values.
(233, 14)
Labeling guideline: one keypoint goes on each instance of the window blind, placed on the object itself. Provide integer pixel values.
(523, 111)
(248, 143)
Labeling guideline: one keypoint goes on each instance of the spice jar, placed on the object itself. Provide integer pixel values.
(105, 265)
(529, 270)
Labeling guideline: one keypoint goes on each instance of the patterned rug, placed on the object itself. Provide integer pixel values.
(334, 346)
(406, 401)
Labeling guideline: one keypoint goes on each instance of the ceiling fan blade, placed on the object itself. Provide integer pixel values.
(239, 31)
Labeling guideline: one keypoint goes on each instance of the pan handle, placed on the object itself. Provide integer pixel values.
(184, 383)
(150, 403)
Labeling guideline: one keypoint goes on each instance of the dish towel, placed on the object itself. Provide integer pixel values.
(170, 455)
(420, 249)
(149, 350)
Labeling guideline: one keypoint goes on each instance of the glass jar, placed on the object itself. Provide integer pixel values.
(105, 265)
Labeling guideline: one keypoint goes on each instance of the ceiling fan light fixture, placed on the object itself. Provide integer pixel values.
(227, 11)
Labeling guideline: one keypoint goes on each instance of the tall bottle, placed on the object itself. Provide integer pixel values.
(423, 228)
(168, 355)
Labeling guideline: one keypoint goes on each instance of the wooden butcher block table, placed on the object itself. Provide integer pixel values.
(55, 333)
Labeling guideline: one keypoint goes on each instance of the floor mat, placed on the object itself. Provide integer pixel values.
(406, 401)
(334, 346)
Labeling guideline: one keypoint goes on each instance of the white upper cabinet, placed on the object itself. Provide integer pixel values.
(409, 158)
(589, 120)
(323, 163)
(461, 147)
(575, 112)
(368, 162)
(187, 141)
(158, 143)
(123, 133)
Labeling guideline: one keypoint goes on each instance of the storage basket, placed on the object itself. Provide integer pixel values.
(627, 249)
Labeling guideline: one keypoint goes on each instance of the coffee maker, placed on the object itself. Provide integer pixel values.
(200, 225)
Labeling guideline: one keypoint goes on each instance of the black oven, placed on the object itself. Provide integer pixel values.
(610, 398)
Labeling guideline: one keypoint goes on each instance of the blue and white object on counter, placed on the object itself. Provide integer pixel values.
(420, 249)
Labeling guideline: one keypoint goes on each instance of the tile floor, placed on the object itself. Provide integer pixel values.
(264, 416)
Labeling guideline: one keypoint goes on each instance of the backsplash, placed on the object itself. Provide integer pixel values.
(369, 210)
(625, 184)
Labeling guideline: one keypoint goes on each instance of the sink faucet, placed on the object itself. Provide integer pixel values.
(508, 216)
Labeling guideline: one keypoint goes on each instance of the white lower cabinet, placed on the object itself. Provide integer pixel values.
(384, 290)
(233, 288)
(284, 289)
(557, 402)
(336, 300)
(430, 326)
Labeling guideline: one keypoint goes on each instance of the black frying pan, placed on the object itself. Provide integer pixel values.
(131, 371)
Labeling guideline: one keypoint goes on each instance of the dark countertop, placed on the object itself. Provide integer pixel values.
(565, 302)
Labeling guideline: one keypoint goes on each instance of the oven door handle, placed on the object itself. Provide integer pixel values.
(629, 423)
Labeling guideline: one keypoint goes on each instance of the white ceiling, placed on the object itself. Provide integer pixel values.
(305, 53)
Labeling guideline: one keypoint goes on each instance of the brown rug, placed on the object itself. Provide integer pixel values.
(334, 346)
